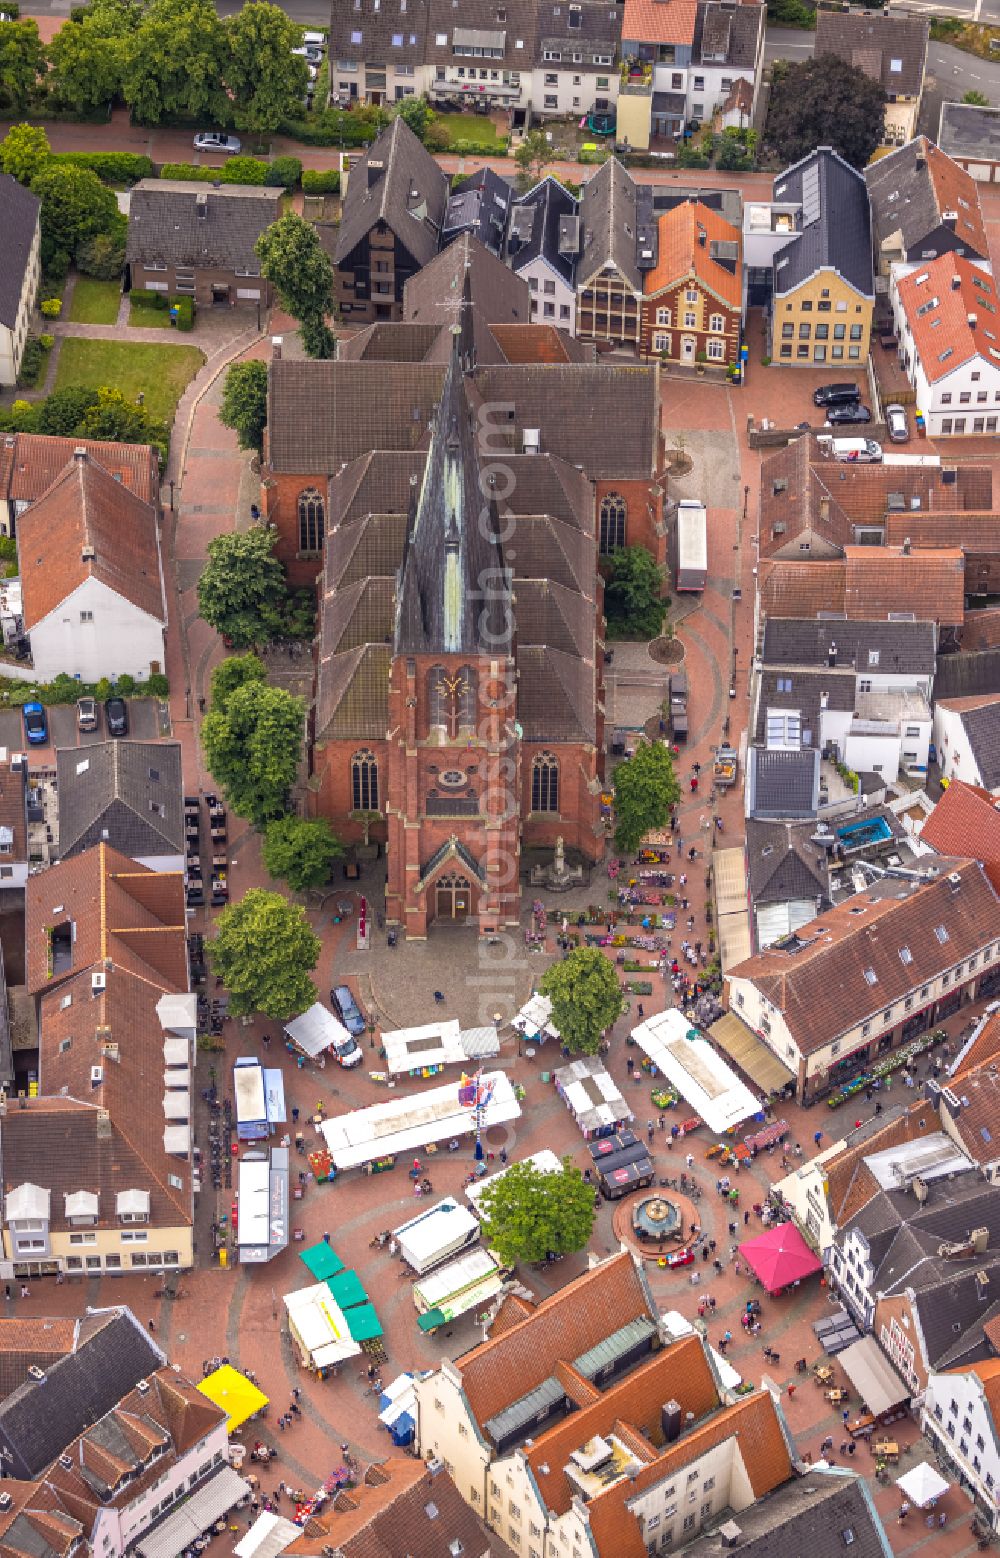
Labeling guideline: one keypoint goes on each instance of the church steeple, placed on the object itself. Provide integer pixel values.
(453, 591)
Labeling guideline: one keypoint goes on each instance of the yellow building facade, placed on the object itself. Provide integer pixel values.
(824, 320)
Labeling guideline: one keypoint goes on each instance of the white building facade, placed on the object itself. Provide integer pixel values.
(957, 1419)
(96, 632)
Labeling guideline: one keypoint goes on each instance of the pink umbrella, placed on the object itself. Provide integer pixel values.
(780, 1257)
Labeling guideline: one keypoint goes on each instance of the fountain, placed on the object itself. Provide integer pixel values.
(557, 877)
(656, 1218)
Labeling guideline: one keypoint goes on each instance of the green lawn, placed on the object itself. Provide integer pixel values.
(146, 318)
(471, 127)
(160, 373)
(94, 302)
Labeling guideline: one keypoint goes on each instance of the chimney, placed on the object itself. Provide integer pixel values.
(824, 511)
(670, 1421)
(87, 554)
(951, 1102)
(831, 654)
(906, 546)
(374, 171)
(276, 344)
(949, 218)
(920, 162)
(919, 1188)
(982, 1285)
(201, 205)
(103, 1125)
(702, 236)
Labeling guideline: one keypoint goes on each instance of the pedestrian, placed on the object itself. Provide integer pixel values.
(711, 1245)
(711, 1302)
(843, 1446)
(690, 1160)
(733, 1227)
(6, 1292)
(818, 1137)
(152, 1323)
(846, 1415)
(789, 1390)
(326, 1238)
(640, 1010)
(930, 1522)
(660, 1123)
(746, 1217)
(942, 1519)
(503, 1154)
(851, 1448)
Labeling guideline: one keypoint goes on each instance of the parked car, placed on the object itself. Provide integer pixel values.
(317, 39)
(853, 411)
(310, 52)
(348, 1010)
(347, 1053)
(835, 394)
(36, 727)
(215, 140)
(896, 425)
(86, 713)
(116, 716)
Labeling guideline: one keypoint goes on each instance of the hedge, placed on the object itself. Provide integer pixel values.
(188, 171)
(336, 127)
(316, 181)
(33, 360)
(111, 167)
(184, 306)
(144, 299)
(284, 173)
(238, 170)
(66, 689)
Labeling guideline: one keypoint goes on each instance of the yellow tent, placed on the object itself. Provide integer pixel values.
(233, 1392)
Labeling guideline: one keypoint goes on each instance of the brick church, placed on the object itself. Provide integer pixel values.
(455, 478)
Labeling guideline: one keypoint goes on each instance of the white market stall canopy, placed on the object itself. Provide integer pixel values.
(922, 1484)
(545, 1162)
(267, 1537)
(316, 1031)
(254, 1191)
(435, 1044)
(406, 1125)
(435, 1233)
(692, 1066)
(461, 1285)
(591, 1094)
(533, 1019)
(318, 1322)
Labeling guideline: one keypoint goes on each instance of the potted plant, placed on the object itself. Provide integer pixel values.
(701, 359)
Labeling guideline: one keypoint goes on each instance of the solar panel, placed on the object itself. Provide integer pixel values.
(810, 195)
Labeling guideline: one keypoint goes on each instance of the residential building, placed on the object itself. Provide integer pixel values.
(479, 205)
(892, 50)
(788, 877)
(128, 794)
(91, 578)
(377, 53)
(14, 850)
(945, 315)
(960, 1414)
(978, 534)
(686, 64)
(969, 133)
(922, 206)
(198, 240)
(870, 582)
(400, 1506)
(967, 739)
(576, 52)
(107, 1356)
(486, 55)
(966, 821)
(557, 1424)
(609, 282)
(969, 1106)
(30, 463)
(19, 274)
(543, 242)
(823, 295)
(819, 1514)
(871, 973)
(393, 213)
(26, 1341)
(97, 1170)
(691, 308)
(782, 783)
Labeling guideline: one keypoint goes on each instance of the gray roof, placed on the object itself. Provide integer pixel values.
(891, 49)
(467, 283)
(962, 675)
(727, 35)
(809, 1514)
(608, 224)
(912, 187)
(968, 130)
(782, 784)
(41, 1417)
(982, 728)
(19, 210)
(323, 413)
(783, 863)
(836, 230)
(554, 398)
(386, 32)
(804, 691)
(176, 223)
(903, 648)
(125, 793)
(479, 205)
(396, 182)
(545, 222)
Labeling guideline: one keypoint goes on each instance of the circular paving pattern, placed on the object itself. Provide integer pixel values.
(688, 1215)
(666, 651)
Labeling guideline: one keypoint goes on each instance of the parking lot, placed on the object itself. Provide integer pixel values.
(144, 724)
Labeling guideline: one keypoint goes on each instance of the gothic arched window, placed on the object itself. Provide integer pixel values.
(364, 781)
(312, 521)
(545, 783)
(613, 514)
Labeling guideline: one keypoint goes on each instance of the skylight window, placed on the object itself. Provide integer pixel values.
(941, 934)
(871, 976)
(905, 955)
(948, 352)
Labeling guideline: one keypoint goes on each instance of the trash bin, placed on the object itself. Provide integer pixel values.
(546, 1077)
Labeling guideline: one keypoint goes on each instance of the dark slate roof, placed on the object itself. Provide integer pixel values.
(903, 648)
(782, 784)
(479, 205)
(783, 863)
(386, 32)
(40, 1418)
(559, 399)
(608, 224)
(321, 414)
(982, 727)
(19, 210)
(397, 182)
(806, 1515)
(545, 222)
(962, 675)
(804, 691)
(108, 792)
(727, 35)
(164, 223)
(449, 552)
(874, 43)
(466, 279)
(836, 231)
(912, 187)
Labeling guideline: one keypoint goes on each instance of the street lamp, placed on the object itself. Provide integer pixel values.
(171, 485)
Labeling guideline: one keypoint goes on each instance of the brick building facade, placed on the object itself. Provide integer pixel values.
(691, 301)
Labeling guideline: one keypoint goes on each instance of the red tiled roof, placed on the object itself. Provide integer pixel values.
(988, 1370)
(659, 21)
(985, 1049)
(956, 190)
(30, 462)
(981, 629)
(531, 343)
(869, 583)
(939, 299)
(682, 254)
(973, 532)
(966, 821)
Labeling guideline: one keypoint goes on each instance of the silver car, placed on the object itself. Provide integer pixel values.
(896, 425)
(215, 140)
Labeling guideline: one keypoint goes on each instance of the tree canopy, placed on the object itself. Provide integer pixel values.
(266, 79)
(242, 586)
(295, 262)
(263, 951)
(244, 402)
(235, 672)
(175, 63)
(75, 206)
(528, 1214)
(534, 154)
(646, 790)
(253, 747)
(87, 60)
(824, 102)
(24, 151)
(633, 598)
(301, 850)
(585, 995)
(21, 63)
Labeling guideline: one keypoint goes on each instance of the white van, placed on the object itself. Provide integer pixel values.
(863, 451)
(436, 1235)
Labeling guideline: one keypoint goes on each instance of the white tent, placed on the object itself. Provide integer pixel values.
(317, 1323)
(533, 1019)
(922, 1484)
(268, 1536)
(694, 1068)
(434, 1044)
(316, 1031)
(409, 1125)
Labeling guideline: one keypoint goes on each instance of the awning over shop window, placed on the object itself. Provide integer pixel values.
(206, 1505)
(873, 1376)
(750, 1054)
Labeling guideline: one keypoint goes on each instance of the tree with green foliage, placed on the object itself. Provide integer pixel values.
(115, 418)
(175, 64)
(633, 597)
(244, 403)
(102, 256)
(24, 151)
(242, 586)
(301, 850)
(646, 791)
(62, 413)
(415, 112)
(263, 951)
(824, 101)
(295, 262)
(528, 1214)
(236, 671)
(22, 61)
(585, 996)
(75, 207)
(87, 62)
(267, 81)
(253, 749)
(534, 154)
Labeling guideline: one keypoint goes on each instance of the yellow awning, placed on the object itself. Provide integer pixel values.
(749, 1053)
(234, 1393)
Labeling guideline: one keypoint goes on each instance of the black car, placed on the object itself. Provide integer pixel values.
(855, 412)
(116, 715)
(835, 394)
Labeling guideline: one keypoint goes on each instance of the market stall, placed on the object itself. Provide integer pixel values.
(454, 1289)
(874, 1378)
(436, 1235)
(546, 1162)
(534, 1020)
(425, 1051)
(316, 1031)
(318, 1328)
(622, 1163)
(262, 1205)
(200, 1512)
(321, 1261)
(591, 1095)
(404, 1126)
(398, 1403)
(780, 1257)
(690, 1064)
(269, 1535)
(923, 1485)
(234, 1394)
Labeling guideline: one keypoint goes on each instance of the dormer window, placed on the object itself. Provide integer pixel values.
(81, 1209)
